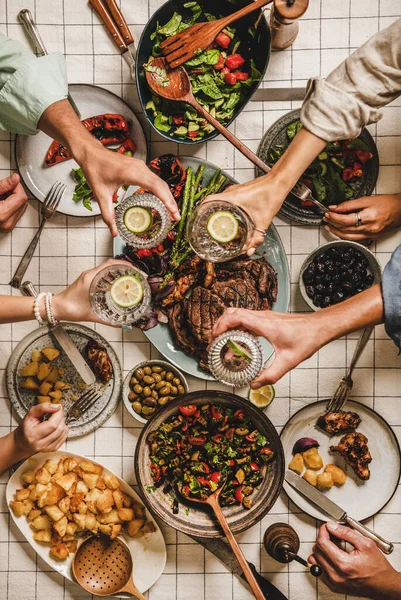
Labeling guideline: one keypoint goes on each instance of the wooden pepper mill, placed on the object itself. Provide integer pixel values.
(284, 24)
(282, 543)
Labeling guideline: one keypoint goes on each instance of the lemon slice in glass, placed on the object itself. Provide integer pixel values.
(239, 350)
(222, 226)
(126, 291)
(137, 219)
(263, 396)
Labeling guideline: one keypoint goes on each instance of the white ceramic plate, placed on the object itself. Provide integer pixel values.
(30, 151)
(360, 499)
(149, 552)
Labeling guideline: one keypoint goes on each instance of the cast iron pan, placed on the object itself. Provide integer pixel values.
(292, 208)
(256, 46)
(199, 521)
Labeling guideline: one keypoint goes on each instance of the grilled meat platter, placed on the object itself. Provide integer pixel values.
(188, 293)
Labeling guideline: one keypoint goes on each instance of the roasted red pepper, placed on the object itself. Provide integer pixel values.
(144, 252)
(240, 414)
(218, 438)
(234, 61)
(108, 129)
(223, 40)
(203, 481)
(192, 134)
(128, 148)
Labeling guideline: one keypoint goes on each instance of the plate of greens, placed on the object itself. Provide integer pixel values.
(40, 160)
(223, 77)
(344, 170)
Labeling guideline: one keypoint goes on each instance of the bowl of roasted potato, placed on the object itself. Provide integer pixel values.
(59, 499)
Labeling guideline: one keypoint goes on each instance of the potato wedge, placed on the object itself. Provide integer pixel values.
(43, 372)
(30, 384)
(61, 551)
(43, 536)
(30, 370)
(28, 476)
(45, 388)
(51, 353)
(134, 527)
(36, 355)
(41, 522)
(54, 512)
(52, 375)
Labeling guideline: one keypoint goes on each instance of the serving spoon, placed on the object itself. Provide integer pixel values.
(175, 85)
(214, 502)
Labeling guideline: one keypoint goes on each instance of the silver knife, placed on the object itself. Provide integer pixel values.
(227, 557)
(335, 511)
(278, 94)
(27, 19)
(28, 289)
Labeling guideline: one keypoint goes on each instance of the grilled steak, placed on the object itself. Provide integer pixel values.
(338, 422)
(238, 293)
(204, 308)
(353, 447)
(262, 273)
(178, 320)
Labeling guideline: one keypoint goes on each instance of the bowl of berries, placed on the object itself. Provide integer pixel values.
(337, 271)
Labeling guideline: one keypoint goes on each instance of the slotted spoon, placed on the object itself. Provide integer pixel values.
(187, 44)
(174, 84)
(214, 502)
(104, 567)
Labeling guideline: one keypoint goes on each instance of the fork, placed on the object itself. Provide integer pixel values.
(301, 191)
(343, 391)
(47, 211)
(82, 405)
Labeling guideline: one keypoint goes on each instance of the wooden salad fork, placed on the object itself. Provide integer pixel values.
(187, 44)
(214, 502)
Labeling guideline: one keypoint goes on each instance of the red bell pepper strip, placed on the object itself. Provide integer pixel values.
(128, 148)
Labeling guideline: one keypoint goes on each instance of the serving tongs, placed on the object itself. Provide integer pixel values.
(115, 23)
(28, 22)
(175, 85)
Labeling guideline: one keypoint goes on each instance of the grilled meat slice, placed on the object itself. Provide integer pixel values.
(187, 275)
(262, 273)
(178, 320)
(204, 308)
(338, 422)
(238, 293)
(353, 447)
(210, 274)
(99, 361)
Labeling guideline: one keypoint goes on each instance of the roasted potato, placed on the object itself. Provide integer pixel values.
(312, 459)
(54, 512)
(18, 508)
(105, 500)
(61, 385)
(52, 375)
(61, 526)
(134, 527)
(112, 482)
(57, 395)
(30, 370)
(22, 494)
(41, 522)
(30, 383)
(43, 399)
(90, 467)
(43, 372)
(338, 476)
(324, 480)
(51, 353)
(28, 476)
(311, 477)
(42, 476)
(45, 388)
(60, 551)
(36, 355)
(297, 463)
(50, 466)
(43, 536)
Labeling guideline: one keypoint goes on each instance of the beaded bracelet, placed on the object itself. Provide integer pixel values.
(49, 309)
(36, 308)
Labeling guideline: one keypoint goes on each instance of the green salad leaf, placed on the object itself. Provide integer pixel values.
(171, 27)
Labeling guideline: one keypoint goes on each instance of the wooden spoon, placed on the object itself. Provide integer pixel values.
(213, 502)
(179, 89)
(185, 45)
(104, 567)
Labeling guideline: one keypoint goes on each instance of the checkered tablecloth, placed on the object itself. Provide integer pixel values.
(329, 32)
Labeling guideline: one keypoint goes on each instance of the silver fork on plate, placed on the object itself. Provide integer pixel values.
(301, 191)
(82, 405)
(343, 391)
(47, 211)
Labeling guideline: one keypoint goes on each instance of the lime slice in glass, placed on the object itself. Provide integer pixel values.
(222, 226)
(263, 396)
(137, 219)
(126, 291)
(239, 350)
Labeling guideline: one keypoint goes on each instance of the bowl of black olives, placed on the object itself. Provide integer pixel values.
(337, 271)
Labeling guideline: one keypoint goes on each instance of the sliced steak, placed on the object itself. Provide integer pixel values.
(204, 308)
(178, 320)
(262, 273)
(238, 293)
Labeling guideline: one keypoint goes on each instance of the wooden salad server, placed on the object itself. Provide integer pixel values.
(185, 45)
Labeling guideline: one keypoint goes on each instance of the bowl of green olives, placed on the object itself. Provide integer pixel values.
(151, 385)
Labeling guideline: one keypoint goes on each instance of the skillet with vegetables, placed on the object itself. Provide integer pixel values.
(196, 450)
(223, 76)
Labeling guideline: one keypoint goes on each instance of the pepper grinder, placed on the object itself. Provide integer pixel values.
(284, 24)
(282, 543)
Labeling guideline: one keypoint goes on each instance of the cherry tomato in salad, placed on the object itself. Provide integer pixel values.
(218, 438)
(144, 252)
(240, 414)
(230, 78)
(223, 40)
(115, 196)
(188, 411)
(254, 467)
(155, 472)
(234, 61)
(231, 462)
(230, 433)
(241, 76)
(220, 65)
(160, 248)
(216, 414)
(179, 120)
(238, 494)
(363, 155)
(251, 437)
(192, 134)
(267, 452)
(203, 481)
(197, 440)
(215, 476)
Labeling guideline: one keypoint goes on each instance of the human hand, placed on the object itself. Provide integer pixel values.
(261, 199)
(14, 204)
(362, 572)
(378, 214)
(106, 171)
(72, 304)
(35, 435)
(294, 337)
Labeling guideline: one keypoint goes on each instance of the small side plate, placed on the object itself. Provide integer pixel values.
(360, 499)
(110, 393)
(292, 209)
(30, 151)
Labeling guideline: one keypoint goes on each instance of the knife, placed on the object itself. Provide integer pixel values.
(113, 19)
(26, 17)
(226, 556)
(335, 511)
(278, 94)
(28, 289)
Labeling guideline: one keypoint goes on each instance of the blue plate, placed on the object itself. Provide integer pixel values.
(272, 249)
